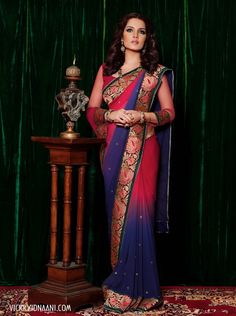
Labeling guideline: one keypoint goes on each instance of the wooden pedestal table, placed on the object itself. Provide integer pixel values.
(66, 283)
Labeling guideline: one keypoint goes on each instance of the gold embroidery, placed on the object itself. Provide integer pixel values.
(117, 87)
(131, 154)
(121, 303)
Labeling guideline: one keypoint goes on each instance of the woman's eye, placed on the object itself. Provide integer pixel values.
(129, 30)
(142, 32)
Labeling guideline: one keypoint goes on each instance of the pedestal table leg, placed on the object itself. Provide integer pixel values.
(53, 224)
(80, 215)
(67, 216)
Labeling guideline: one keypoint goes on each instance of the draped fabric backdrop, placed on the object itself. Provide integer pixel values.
(196, 39)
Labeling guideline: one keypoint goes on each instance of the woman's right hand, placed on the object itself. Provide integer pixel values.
(120, 117)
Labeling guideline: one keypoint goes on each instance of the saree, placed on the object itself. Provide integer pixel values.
(130, 163)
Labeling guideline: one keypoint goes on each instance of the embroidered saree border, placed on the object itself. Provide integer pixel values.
(121, 302)
(130, 164)
(114, 152)
(132, 153)
(131, 72)
(125, 174)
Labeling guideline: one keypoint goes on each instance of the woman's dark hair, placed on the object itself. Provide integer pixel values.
(115, 57)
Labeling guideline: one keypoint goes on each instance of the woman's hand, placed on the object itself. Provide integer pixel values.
(120, 117)
(135, 117)
(125, 118)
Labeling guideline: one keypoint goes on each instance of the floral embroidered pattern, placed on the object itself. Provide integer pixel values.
(99, 116)
(127, 173)
(120, 303)
(117, 86)
(101, 126)
(130, 160)
(163, 117)
(117, 302)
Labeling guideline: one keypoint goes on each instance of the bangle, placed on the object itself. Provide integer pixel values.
(107, 116)
(147, 120)
(142, 118)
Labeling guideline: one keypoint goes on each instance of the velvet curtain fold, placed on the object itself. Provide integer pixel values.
(39, 40)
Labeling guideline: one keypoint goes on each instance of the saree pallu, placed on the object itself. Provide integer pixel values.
(130, 169)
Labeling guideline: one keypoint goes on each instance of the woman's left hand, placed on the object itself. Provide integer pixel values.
(135, 116)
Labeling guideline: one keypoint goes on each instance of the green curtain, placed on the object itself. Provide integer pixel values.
(197, 39)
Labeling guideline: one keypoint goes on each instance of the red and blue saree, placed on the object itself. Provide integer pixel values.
(134, 188)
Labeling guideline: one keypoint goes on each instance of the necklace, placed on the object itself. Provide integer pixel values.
(120, 74)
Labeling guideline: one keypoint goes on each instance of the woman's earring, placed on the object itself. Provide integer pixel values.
(143, 51)
(122, 48)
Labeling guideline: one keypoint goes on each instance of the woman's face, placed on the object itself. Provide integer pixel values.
(134, 34)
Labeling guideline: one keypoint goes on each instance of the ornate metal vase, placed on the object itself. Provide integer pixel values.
(71, 101)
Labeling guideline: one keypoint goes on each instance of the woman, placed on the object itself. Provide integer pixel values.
(133, 85)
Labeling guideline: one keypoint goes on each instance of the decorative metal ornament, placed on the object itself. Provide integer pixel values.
(71, 101)
(122, 48)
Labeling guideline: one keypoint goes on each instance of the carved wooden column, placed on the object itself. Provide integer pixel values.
(67, 216)
(54, 206)
(66, 283)
(80, 215)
